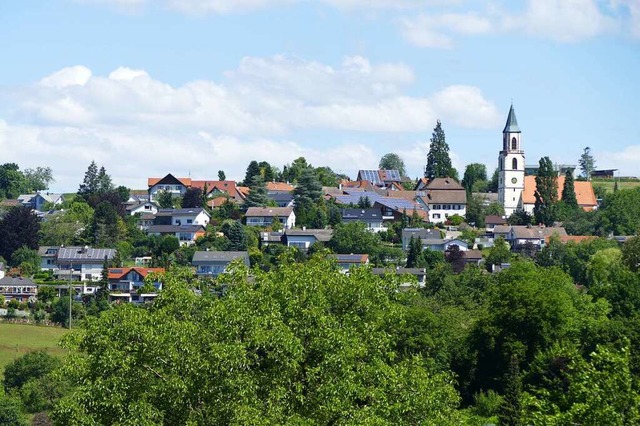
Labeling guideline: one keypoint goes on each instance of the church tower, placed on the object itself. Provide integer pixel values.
(511, 166)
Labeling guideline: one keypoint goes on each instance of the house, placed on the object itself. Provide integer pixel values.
(38, 200)
(146, 220)
(268, 238)
(420, 275)
(125, 284)
(491, 221)
(473, 257)
(186, 234)
(178, 217)
(278, 187)
(17, 288)
(282, 199)
(444, 197)
(144, 207)
(418, 233)
(1, 269)
(346, 261)
(265, 216)
(385, 178)
(584, 194)
(304, 238)
(48, 256)
(81, 263)
(604, 173)
(176, 186)
(439, 244)
(214, 263)
(393, 208)
(501, 231)
(536, 235)
(371, 217)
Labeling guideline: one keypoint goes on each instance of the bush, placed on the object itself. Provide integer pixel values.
(29, 366)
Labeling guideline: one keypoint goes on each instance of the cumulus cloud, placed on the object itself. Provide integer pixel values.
(626, 161)
(266, 108)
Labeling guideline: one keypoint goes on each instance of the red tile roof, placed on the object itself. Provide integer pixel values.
(118, 273)
(584, 192)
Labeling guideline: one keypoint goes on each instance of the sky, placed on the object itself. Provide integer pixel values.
(190, 87)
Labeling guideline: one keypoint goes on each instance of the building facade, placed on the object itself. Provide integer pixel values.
(511, 166)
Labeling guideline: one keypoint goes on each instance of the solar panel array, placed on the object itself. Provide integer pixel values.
(392, 175)
(394, 203)
(370, 175)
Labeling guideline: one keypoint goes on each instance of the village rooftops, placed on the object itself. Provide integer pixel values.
(85, 254)
(220, 256)
(323, 235)
(268, 211)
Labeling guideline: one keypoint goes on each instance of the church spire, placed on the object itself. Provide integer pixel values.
(512, 122)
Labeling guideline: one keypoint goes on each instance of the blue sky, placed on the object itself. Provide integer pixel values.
(148, 87)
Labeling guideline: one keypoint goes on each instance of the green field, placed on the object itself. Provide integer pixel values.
(608, 184)
(18, 339)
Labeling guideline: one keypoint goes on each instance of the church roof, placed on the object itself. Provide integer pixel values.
(512, 122)
(584, 192)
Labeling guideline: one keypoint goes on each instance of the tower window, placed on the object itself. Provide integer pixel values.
(514, 143)
(514, 164)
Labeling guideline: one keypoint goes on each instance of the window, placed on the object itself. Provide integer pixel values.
(177, 188)
(147, 207)
(514, 164)
(514, 143)
(87, 276)
(189, 220)
(436, 215)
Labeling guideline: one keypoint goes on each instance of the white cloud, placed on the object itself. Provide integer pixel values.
(626, 161)
(436, 30)
(265, 109)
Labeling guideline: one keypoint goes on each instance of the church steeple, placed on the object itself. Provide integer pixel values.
(512, 122)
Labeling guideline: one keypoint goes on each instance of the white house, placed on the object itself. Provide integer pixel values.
(186, 234)
(17, 288)
(439, 244)
(265, 216)
(444, 197)
(304, 238)
(143, 208)
(214, 263)
(125, 285)
(178, 217)
(38, 200)
(372, 218)
(80, 263)
(176, 186)
(418, 233)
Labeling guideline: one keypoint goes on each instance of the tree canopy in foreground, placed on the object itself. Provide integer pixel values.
(301, 344)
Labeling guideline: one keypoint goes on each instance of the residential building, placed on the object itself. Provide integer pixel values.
(48, 256)
(304, 238)
(38, 200)
(281, 199)
(176, 186)
(178, 217)
(439, 244)
(420, 234)
(125, 284)
(443, 197)
(17, 288)
(268, 238)
(371, 217)
(145, 207)
(80, 263)
(1, 269)
(214, 263)
(491, 221)
(278, 187)
(265, 216)
(473, 257)
(346, 261)
(384, 178)
(186, 234)
(536, 235)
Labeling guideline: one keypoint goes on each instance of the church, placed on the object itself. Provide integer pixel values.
(515, 189)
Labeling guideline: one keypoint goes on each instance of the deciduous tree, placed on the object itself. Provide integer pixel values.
(392, 161)
(587, 163)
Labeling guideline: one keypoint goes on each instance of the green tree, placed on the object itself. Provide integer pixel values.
(253, 170)
(12, 181)
(492, 185)
(306, 195)
(569, 191)
(164, 199)
(631, 253)
(438, 160)
(292, 172)
(353, 237)
(38, 179)
(546, 193)
(257, 193)
(498, 254)
(27, 260)
(587, 163)
(10, 412)
(104, 181)
(32, 365)
(511, 409)
(235, 232)
(392, 161)
(326, 176)
(474, 174)
(222, 175)
(18, 228)
(414, 253)
(91, 183)
(192, 198)
(301, 344)
(618, 212)
(455, 257)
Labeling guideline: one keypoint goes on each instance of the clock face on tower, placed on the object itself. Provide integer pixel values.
(514, 180)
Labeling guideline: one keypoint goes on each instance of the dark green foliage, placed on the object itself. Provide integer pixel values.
(222, 175)
(619, 212)
(492, 185)
(107, 227)
(569, 191)
(392, 161)
(414, 253)
(10, 412)
(253, 170)
(90, 184)
(266, 171)
(257, 193)
(18, 228)
(292, 172)
(164, 199)
(631, 253)
(475, 175)
(438, 160)
(498, 254)
(29, 366)
(38, 179)
(546, 193)
(354, 237)
(306, 197)
(364, 203)
(12, 181)
(511, 409)
(192, 198)
(520, 217)
(235, 232)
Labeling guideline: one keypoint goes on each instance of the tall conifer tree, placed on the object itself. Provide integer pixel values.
(438, 160)
(569, 191)
(546, 193)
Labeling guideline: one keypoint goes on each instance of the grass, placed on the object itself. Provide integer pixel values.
(18, 339)
(608, 184)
